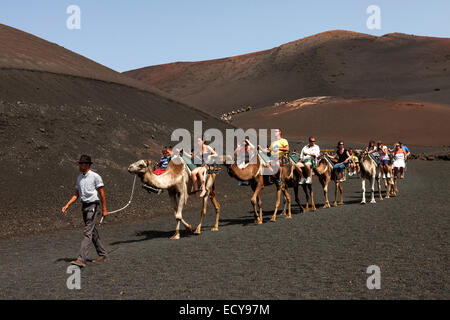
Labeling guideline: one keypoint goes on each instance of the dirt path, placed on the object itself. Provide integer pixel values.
(315, 255)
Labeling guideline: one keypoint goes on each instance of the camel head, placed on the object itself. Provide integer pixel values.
(139, 167)
(227, 160)
(362, 154)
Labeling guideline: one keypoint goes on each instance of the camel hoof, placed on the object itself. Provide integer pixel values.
(363, 202)
(215, 229)
(283, 214)
(335, 204)
(373, 201)
(340, 203)
(273, 219)
(288, 217)
(198, 230)
(176, 236)
(189, 228)
(326, 206)
(313, 209)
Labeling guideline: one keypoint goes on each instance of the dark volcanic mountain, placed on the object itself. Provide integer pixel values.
(56, 105)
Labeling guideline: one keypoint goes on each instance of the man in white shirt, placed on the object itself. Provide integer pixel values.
(88, 188)
(308, 156)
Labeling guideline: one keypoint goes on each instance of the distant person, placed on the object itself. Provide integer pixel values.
(385, 160)
(400, 157)
(308, 157)
(201, 157)
(371, 149)
(249, 152)
(353, 163)
(164, 160)
(408, 153)
(279, 150)
(89, 188)
(341, 158)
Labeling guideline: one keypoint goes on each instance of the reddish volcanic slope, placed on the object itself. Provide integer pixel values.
(334, 63)
(355, 120)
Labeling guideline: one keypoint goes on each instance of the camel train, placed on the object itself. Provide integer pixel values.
(178, 180)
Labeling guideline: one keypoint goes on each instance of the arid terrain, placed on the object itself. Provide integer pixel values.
(56, 105)
(334, 63)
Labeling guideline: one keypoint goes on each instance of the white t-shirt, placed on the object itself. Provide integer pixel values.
(310, 150)
(87, 186)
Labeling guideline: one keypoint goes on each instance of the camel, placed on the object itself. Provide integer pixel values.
(176, 180)
(289, 179)
(368, 171)
(324, 171)
(253, 172)
(388, 182)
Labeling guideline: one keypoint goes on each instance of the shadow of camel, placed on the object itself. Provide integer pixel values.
(153, 234)
(65, 260)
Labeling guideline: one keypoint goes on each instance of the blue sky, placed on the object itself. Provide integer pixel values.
(126, 35)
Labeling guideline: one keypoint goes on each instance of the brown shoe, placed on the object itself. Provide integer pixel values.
(78, 263)
(99, 259)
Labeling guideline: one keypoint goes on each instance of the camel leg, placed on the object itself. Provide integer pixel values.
(341, 193)
(208, 185)
(335, 193)
(202, 215)
(297, 199)
(173, 196)
(277, 204)
(260, 208)
(179, 214)
(305, 190)
(372, 189)
(311, 192)
(194, 182)
(217, 207)
(283, 213)
(324, 184)
(256, 199)
(387, 187)
(288, 198)
(363, 187)
(380, 197)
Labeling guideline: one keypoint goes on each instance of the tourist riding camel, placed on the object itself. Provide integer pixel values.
(353, 168)
(341, 160)
(243, 153)
(408, 153)
(385, 168)
(176, 180)
(304, 168)
(201, 156)
(399, 164)
(308, 157)
(279, 150)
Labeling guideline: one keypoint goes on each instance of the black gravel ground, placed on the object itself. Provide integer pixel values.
(320, 255)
